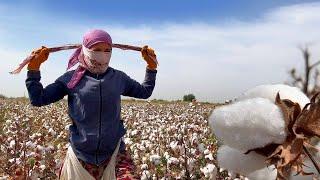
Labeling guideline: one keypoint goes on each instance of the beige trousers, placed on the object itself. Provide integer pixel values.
(72, 168)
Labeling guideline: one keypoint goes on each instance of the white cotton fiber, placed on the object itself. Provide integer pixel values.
(238, 162)
(270, 92)
(248, 124)
(267, 173)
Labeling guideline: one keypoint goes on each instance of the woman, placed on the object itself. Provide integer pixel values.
(94, 91)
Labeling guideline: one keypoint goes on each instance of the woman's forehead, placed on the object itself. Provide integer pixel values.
(103, 45)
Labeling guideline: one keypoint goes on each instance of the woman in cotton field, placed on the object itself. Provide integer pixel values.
(96, 148)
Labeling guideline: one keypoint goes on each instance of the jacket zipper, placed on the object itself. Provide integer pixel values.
(99, 134)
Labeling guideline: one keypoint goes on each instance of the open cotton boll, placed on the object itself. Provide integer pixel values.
(248, 124)
(238, 162)
(270, 92)
(267, 173)
(209, 171)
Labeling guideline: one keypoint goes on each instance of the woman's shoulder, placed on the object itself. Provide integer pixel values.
(66, 77)
(118, 72)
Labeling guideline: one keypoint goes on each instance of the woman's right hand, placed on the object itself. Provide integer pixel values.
(39, 56)
(150, 57)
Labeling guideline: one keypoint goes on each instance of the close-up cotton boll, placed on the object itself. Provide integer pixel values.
(270, 92)
(266, 173)
(236, 161)
(252, 121)
(248, 124)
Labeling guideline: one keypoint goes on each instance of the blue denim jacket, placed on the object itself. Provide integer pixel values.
(93, 106)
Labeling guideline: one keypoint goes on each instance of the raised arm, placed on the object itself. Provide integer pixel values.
(143, 90)
(40, 96)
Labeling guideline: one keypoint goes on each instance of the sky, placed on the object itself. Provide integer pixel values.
(213, 49)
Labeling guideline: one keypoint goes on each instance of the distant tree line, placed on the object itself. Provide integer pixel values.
(189, 97)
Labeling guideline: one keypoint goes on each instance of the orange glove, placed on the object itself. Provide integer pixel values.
(150, 57)
(39, 56)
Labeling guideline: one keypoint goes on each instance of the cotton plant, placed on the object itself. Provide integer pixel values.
(255, 123)
(176, 149)
(165, 140)
(32, 139)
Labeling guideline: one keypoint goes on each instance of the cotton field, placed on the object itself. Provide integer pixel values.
(166, 140)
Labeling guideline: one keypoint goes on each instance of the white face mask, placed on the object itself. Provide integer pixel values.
(95, 61)
(98, 56)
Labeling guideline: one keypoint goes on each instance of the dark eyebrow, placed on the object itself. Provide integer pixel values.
(98, 49)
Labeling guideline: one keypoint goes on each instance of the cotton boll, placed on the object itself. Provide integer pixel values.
(145, 175)
(270, 92)
(144, 166)
(209, 171)
(267, 173)
(174, 145)
(236, 161)
(12, 144)
(248, 124)
(155, 159)
(209, 156)
(43, 167)
(173, 160)
(206, 152)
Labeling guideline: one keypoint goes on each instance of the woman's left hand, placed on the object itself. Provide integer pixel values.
(39, 56)
(150, 57)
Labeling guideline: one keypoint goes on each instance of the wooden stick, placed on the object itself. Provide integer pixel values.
(72, 46)
(126, 47)
(66, 47)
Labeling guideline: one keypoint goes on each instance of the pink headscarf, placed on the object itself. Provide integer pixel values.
(90, 38)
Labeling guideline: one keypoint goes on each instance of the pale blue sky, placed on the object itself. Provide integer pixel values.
(213, 49)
